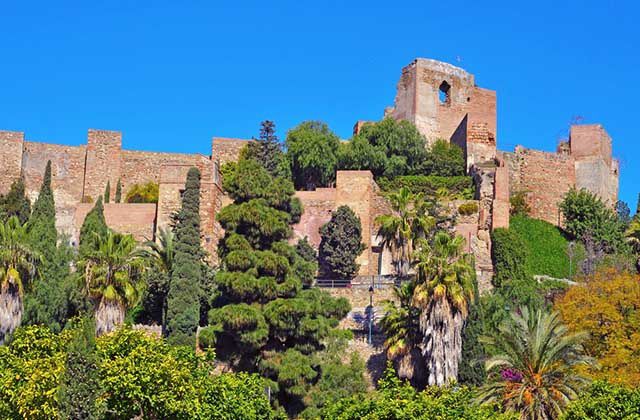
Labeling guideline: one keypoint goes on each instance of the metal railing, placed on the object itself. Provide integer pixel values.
(377, 282)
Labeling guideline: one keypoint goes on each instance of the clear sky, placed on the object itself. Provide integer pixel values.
(172, 74)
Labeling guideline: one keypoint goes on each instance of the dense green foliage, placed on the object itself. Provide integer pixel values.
(312, 150)
(458, 187)
(263, 321)
(587, 217)
(183, 300)
(518, 204)
(548, 248)
(604, 401)
(471, 370)
(15, 203)
(444, 159)
(510, 256)
(143, 193)
(138, 376)
(396, 400)
(341, 244)
(80, 389)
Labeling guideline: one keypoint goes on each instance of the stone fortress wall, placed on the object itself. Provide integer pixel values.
(443, 102)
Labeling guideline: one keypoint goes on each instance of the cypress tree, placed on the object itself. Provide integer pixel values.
(49, 300)
(15, 203)
(107, 192)
(183, 301)
(94, 224)
(341, 244)
(80, 385)
(118, 192)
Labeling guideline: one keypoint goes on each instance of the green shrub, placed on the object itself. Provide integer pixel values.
(510, 257)
(143, 193)
(548, 248)
(605, 402)
(468, 209)
(519, 205)
(459, 187)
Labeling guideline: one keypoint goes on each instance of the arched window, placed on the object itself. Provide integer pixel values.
(443, 93)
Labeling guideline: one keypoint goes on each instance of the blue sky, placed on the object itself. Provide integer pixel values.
(171, 75)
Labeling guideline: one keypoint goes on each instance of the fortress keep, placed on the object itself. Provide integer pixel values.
(442, 100)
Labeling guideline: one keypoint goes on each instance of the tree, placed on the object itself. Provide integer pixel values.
(471, 369)
(387, 148)
(112, 278)
(312, 150)
(509, 254)
(607, 306)
(632, 236)
(15, 203)
(263, 320)
(624, 212)
(443, 159)
(408, 223)
(94, 225)
(395, 399)
(80, 388)
(19, 263)
(534, 370)
(341, 244)
(107, 192)
(143, 193)
(444, 290)
(118, 197)
(53, 297)
(266, 150)
(403, 344)
(587, 217)
(183, 300)
(159, 255)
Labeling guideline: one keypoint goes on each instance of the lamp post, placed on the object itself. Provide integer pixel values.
(370, 312)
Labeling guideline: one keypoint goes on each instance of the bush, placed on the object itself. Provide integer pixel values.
(519, 205)
(548, 248)
(468, 209)
(458, 187)
(147, 193)
(510, 257)
(604, 401)
(341, 244)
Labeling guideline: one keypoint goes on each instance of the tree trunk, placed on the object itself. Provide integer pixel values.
(411, 367)
(441, 327)
(10, 310)
(109, 314)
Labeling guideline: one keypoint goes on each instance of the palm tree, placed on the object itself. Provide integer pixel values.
(159, 254)
(408, 223)
(18, 264)
(534, 369)
(445, 287)
(401, 325)
(112, 278)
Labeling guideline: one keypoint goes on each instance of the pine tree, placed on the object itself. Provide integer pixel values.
(107, 192)
(94, 224)
(266, 148)
(341, 244)
(15, 203)
(80, 386)
(118, 191)
(183, 301)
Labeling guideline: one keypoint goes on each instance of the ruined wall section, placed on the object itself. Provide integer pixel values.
(224, 150)
(317, 206)
(595, 168)
(103, 162)
(418, 100)
(11, 144)
(137, 219)
(544, 178)
(67, 178)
